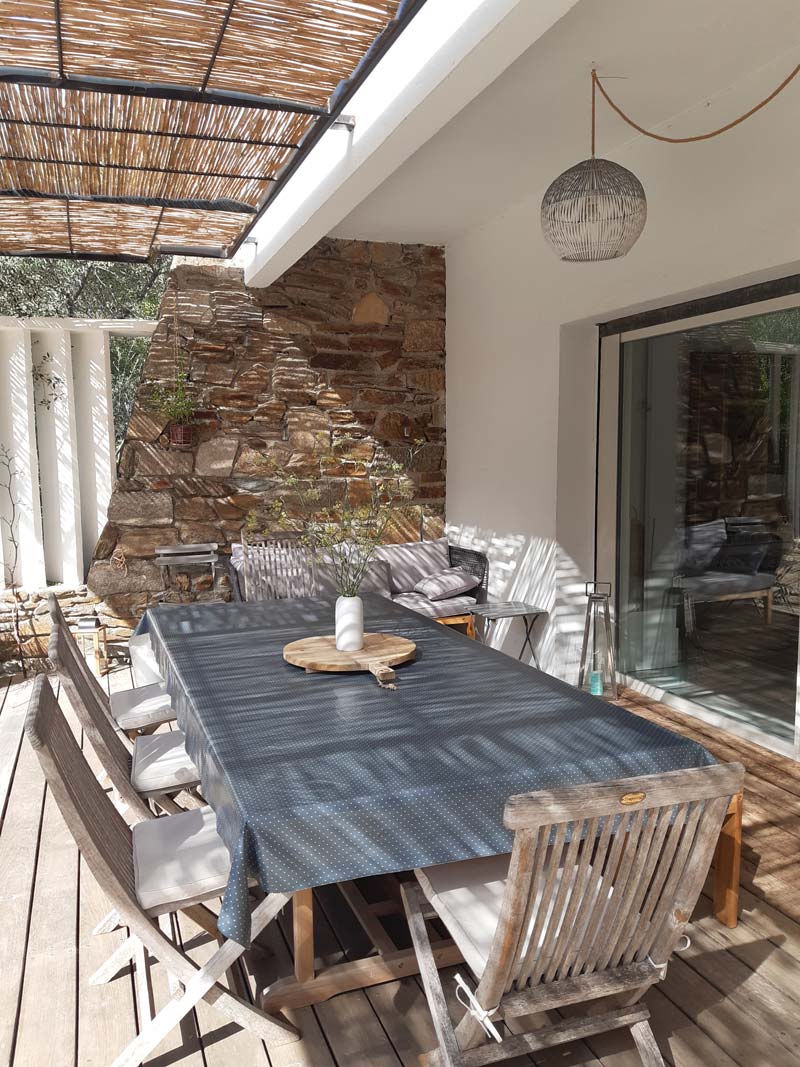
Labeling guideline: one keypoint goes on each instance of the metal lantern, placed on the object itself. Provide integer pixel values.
(595, 210)
(598, 662)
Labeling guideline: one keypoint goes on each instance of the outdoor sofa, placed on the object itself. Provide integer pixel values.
(400, 571)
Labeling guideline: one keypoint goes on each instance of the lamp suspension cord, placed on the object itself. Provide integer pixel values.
(597, 84)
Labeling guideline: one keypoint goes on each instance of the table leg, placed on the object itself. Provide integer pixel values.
(309, 987)
(303, 924)
(727, 865)
(529, 623)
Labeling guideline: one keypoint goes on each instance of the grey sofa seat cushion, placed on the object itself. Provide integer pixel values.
(449, 583)
(413, 561)
(435, 609)
(723, 583)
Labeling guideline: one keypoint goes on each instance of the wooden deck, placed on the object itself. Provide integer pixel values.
(732, 998)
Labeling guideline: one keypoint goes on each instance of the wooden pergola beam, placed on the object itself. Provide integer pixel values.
(188, 204)
(153, 91)
(218, 43)
(55, 161)
(177, 135)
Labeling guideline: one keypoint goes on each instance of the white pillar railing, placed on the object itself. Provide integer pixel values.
(56, 419)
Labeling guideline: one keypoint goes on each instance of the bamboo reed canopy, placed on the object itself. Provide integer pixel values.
(135, 127)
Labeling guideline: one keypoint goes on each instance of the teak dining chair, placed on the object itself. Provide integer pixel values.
(277, 568)
(595, 897)
(153, 767)
(133, 710)
(152, 869)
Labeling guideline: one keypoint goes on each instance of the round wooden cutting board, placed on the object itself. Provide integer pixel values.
(321, 654)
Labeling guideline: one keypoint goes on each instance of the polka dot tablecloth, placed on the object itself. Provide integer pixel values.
(317, 778)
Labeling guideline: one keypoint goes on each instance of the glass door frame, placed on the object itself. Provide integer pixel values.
(607, 510)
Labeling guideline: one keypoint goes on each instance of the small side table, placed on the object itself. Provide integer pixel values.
(100, 640)
(510, 609)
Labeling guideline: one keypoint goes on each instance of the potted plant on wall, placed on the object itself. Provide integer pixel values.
(178, 406)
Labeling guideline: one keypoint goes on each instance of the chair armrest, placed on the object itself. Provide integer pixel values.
(474, 563)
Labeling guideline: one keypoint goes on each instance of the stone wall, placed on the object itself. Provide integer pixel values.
(342, 356)
(28, 637)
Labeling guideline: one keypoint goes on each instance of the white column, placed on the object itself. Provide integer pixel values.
(94, 421)
(18, 433)
(58, 457)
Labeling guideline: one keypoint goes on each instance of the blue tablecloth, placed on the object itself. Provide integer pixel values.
(316, 778)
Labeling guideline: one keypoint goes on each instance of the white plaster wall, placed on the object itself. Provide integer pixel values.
(522, 347)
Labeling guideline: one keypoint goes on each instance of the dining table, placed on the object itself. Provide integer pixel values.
(318, 778)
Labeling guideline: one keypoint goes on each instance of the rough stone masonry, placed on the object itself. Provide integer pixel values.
(344, 354)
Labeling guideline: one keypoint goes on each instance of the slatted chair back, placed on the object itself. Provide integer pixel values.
(92, 708)
(278, 568)
(602, 883)
(100, 832)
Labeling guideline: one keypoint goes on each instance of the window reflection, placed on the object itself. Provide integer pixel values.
(709, 557)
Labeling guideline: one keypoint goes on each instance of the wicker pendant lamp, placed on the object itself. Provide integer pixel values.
(595, 210)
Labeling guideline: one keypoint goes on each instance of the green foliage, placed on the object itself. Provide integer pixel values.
(175, 403)
(127, 359)
(779, 327)
(74, 288)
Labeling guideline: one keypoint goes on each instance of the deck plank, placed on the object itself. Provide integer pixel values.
(106, 1014)
(19, 847)
(13, 708)
(747, 1043)
(48, 1010)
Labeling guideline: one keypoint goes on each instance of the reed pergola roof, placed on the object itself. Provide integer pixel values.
(134, 127)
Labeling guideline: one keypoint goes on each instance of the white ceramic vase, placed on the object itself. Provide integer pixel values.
(349, 624)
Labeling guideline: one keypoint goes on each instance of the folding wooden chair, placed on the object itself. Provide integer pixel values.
(278, 568)
(154, 767)
(595, 897)
(152, 869)
(133, 710)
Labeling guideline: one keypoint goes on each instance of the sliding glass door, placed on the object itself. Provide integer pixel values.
(708, 520)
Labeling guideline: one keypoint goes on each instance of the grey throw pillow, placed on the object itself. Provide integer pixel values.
(445, 584)
(413, 561)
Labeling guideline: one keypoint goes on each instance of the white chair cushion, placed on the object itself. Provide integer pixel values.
(179, 858)
(143, 663)
(468, 896)
(149, 705)
(161, 764)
